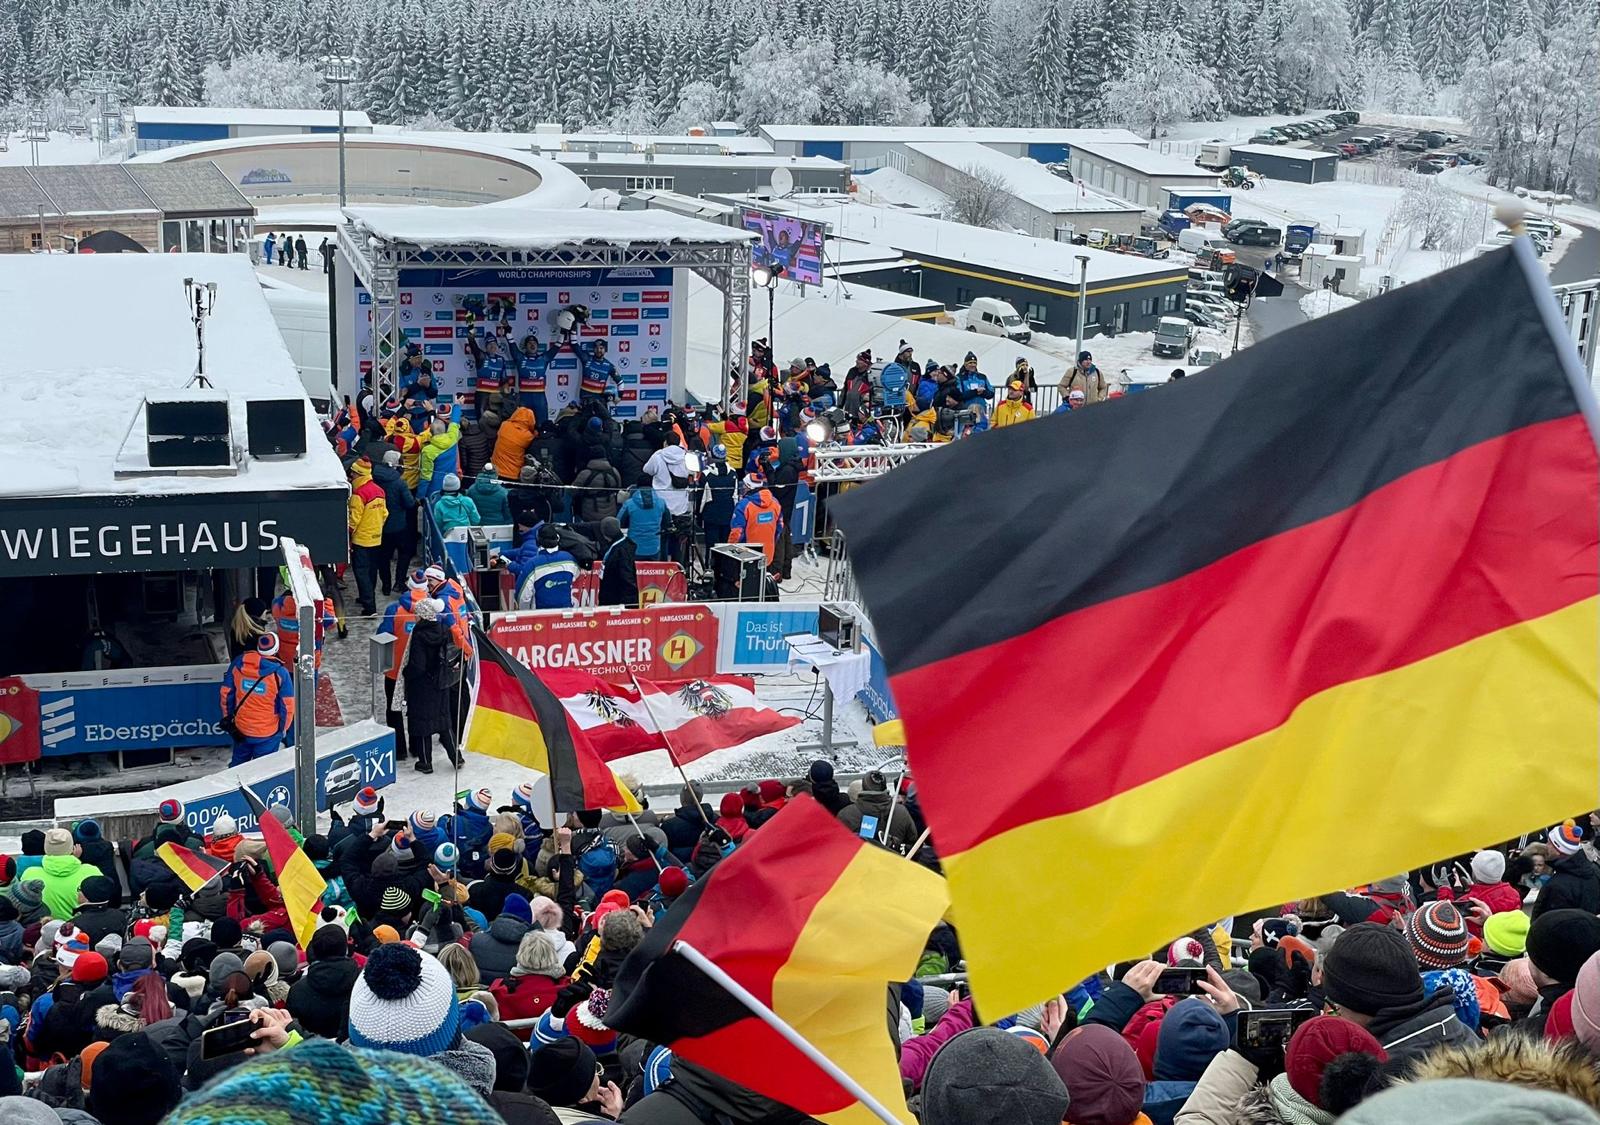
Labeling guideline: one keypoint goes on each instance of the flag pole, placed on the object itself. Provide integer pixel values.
(767, 1016)
(640, 831)
(671, 753)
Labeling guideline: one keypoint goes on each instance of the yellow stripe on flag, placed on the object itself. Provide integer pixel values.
(195, 874)
(511, 738)
(302, 889)
(1469, 746)
(868, 928)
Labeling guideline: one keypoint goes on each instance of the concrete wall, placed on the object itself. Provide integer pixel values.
(309, 172)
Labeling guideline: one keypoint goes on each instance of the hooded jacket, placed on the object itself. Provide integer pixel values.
(454, 509)
(397, 497)
(489, 495)
(1526, 1060)
(439, 458)
(320, 999)
(875, 802)
(597, 483)
(474, 448)
(495, 949)
(511, 444)
(642, 515)
(1191, 1035)
(1412, 1030)
(62, 876)
(666, 465)
(368, 509)
(1574, 884)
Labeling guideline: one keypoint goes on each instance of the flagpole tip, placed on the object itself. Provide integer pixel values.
(1511, 215)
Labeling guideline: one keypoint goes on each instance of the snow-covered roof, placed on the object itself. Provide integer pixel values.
(1291, 152)
(552, 142)
(647, 161)
(534, 229)
(75, 396)
(890, 185)
(920, 236)
(1143, 159)
(1028, 180)
(900, 134)
(213, 115)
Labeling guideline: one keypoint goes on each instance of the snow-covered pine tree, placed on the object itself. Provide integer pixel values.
(969, 89)
(1046, 78)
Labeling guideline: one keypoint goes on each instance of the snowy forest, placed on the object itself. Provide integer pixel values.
(1525, 73)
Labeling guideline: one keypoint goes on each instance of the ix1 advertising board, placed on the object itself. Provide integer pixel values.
(634, 309)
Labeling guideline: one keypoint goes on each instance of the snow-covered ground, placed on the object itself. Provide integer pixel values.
(61, 148)
(1111, 353)
(1325, 301)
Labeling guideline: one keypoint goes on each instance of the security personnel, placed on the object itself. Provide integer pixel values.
(257, 701)
(398, 620)
(286, 620)
(758, 518)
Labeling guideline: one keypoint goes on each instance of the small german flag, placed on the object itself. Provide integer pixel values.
(196, 869)
(815, 923)
(517, 718)
(298, 879)
(1264, 633)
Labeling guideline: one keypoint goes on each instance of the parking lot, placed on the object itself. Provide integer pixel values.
(1404, 145)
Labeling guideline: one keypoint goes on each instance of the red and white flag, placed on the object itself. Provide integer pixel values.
(687, 718)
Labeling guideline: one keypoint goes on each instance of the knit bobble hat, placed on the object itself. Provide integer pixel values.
(522, 795)
(674, 882)
(267, 644)
(586, 1021)
(404, 1001)
(423, 821)
(1437, 934)
(89, 968)
(1506, 933)
(480, 799)
(445, 856)
(396, 900)
(1319, 1041)
(1566, 838)
(170, 811)
(223, 826)
(1488, 867)
(731, 805)
(366, 802)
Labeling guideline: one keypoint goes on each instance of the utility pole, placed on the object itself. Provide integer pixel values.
(339, 71)
(1083, 297)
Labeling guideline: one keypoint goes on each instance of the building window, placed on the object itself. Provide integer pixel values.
(648, 183)
(1033, 313)
(1092, 316)
(1169, 303)
(1119, 316)
(36, 240)
(171, 236)
(963, 295)
(1147, 307)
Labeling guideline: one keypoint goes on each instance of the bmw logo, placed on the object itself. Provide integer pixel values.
(655, 345)
(278, 795)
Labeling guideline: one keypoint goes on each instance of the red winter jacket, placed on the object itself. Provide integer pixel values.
(1498, 897)
(524, 997)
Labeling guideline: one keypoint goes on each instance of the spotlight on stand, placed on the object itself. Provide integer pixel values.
(760, 277)
(826, 425)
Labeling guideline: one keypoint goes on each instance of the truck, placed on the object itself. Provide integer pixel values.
(1214, 156)
(1181, 199)
(1174, 222)
(1297, 238)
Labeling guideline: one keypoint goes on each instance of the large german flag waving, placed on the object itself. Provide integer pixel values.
(815, 923)
(516, 717)
(1277, 629)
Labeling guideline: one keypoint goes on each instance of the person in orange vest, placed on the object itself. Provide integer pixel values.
(286, 620)
(758, 518)
(257, 701)
(398, 620)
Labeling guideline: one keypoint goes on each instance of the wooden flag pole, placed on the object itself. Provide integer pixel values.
(671, 753)
(767, 1016)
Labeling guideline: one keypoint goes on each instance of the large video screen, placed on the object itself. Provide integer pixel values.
(793, 244)
(632, 308)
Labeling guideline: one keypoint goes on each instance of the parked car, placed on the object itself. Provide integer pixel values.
(1219, 308)
(990, 316)
(1427, 166)
(1172, 336)
(1348, 149)
(1261, 139)
(1199, 317)
(1196, 239)
(1204, 357)
(1254, 236)
(1241, 222)
(1413, 144)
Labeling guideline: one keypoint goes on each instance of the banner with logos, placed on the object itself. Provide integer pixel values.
(129, 709)
(634, 309)
(667, 642)
(752, 634)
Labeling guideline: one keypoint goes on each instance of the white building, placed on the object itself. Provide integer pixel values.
(865, 147)
(1135, 172)
(162, 126)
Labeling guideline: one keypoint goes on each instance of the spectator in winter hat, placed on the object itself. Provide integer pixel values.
(731, 816)
(986, 1077)
(1574, 882)
(96, 851)
(1516, 1061)
(1104, 1081)
(1437, 934)
(1586, 1006)
(1489, 886)
(95, 916)
(328, 1084)
(1190, 1036)
(1371, 978)
(1506, 933)
(134, 1083)
(495, 949)
(62, 873)
(320, 1000)
(1310, 1089)
(404, 1001)
(1462, 1101)
(1558, 945)
(824, 788)
(567, 1075)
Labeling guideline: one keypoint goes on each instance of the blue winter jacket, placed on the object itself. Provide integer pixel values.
(642, 515)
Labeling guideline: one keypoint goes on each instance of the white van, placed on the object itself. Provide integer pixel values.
(1196, 239)
(991, 316)
(302, 319)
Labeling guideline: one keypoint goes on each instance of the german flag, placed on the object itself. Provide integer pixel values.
(196, 869)
(814, 922)
(298, 879)
(517, 718)
(1281, 628)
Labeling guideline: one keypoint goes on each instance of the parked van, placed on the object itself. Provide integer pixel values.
(302, 319)
(1171, 337)
(1256, 236)
(990, 316)
(1196, 239)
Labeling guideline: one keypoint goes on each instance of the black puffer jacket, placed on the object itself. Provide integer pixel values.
(1574, 884)
(320, 1000)
(495, 950)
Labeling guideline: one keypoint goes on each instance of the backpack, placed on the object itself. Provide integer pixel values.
(598, 866)
(579, 546)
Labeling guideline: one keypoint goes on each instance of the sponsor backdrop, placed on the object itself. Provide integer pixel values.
(752, 636)
(132, 709)
(674, 642)
(635, 310)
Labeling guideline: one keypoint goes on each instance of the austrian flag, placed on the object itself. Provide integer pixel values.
(687, 718)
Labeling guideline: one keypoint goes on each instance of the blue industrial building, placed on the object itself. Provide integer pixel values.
(162, 126)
